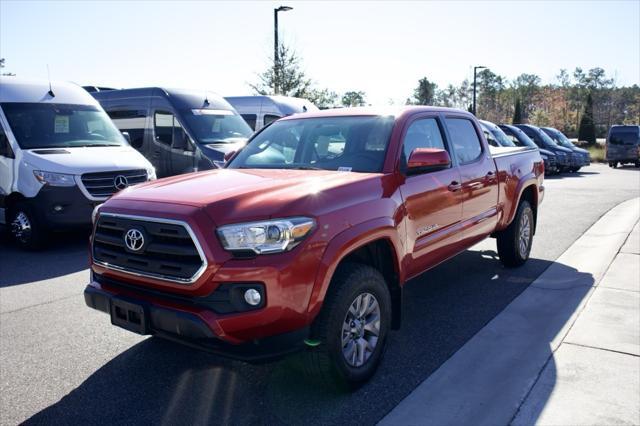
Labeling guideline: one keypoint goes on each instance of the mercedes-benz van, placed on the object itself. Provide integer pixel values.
(179, 131)
(623, 145)
(60, 156)
(258, 111)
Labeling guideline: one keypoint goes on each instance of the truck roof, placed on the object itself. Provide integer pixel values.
(287, 104)
(180, 98)
(372, 111)
(18, 89)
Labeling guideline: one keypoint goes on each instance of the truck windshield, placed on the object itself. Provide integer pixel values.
(625, 136)
(216, 126)
(357, 144)
(45, 125)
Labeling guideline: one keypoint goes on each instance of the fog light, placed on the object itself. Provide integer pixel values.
(252, 297)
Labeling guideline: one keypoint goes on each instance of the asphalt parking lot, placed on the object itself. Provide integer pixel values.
(61, 362)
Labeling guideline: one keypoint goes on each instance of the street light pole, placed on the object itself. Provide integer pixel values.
(475, 69)
(276, 62)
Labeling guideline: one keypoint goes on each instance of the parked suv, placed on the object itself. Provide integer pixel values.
(566, 159)
(559, 138)
(179, 131)
(519, 138)
(305, 239)
(623, 145)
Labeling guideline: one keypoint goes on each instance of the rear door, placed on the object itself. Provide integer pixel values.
(433, 201)
(478, 178)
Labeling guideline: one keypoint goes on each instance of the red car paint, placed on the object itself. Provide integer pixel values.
(350, 209)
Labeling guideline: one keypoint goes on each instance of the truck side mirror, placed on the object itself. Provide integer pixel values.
(127, 137)
(424, 160)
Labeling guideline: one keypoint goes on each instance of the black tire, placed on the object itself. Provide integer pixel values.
(613, 164)
(25, 227)
(509, 240)
(326, 361)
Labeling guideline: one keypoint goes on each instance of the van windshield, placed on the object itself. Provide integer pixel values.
(357, 144)
(624, 136)
(216, 126)
(45, 125)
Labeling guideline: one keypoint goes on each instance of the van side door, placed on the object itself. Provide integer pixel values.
(478, 176)
(432, 201)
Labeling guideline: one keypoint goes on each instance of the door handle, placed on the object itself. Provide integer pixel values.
(454, 186)
(490, 176)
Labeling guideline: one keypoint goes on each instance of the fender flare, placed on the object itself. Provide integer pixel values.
(523, 184)
(345, 243)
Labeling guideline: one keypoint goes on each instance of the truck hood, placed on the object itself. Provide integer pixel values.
(79, 160)
(236, 195)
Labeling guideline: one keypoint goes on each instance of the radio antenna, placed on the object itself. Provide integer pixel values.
(49, 78)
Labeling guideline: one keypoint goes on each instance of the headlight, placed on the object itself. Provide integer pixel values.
(94, 213)
(54, 179)
(269, 236)
(151, 173)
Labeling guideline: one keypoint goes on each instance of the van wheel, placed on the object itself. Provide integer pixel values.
(351, 328)
(613, 164)
(25, 227)
(514, 243)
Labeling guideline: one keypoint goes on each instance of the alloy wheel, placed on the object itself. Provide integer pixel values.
(361, 330)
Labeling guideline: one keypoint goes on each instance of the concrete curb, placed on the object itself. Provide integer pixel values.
(486, 381)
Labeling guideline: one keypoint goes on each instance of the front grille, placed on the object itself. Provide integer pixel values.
(103, 184)
(168, 251)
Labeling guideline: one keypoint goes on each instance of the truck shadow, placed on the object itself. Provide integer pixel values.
(160, 382)
(64, 254)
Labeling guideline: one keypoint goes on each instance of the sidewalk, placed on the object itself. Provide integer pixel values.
(564, 352)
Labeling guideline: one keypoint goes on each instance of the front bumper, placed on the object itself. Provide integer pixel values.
(62, 208)
(188, 321)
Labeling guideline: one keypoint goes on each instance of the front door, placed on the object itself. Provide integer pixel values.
(433, 201)
(7, 159)
(478, 177)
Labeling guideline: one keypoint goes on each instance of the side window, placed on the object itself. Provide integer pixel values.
(251, 120)
(268, 118)
(422, 133)
(5, 148)
(464, 139)
(491, 140)
(163, 127)
(132, 122)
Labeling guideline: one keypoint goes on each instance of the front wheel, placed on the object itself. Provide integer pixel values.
(25, 227)
(352, 327)
(514, 243)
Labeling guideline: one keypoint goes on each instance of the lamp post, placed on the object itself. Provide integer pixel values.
(275, 46)
(475, 69)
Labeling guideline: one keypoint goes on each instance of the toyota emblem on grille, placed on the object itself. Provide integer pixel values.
(120, 182)
(134, 239)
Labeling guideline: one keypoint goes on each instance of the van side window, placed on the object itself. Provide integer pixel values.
(5, 148)
(132, 122)
(163, 127)
(422, 133)
(269, 118)
(251, 120)
(464, 139)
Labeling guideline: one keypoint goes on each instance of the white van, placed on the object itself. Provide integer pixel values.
(60, 156)
(258, 111)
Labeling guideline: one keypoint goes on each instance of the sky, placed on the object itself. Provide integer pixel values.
(380, 47)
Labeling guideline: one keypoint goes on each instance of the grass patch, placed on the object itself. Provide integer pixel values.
(597, 153)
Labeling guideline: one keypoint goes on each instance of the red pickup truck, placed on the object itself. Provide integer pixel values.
(307, 235)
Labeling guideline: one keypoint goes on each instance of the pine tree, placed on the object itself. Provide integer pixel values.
(517, 113)
(587, 130)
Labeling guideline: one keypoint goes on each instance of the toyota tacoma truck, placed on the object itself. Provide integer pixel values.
(305, 238)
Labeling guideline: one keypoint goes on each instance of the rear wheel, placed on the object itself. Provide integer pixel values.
(514, 243)
(352, 328)
(25, 227)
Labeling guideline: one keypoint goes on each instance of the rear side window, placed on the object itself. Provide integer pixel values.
(464, 139)
(624, 136)
(422, 133)
(131, 121)
(268, 118)
(250, 119)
